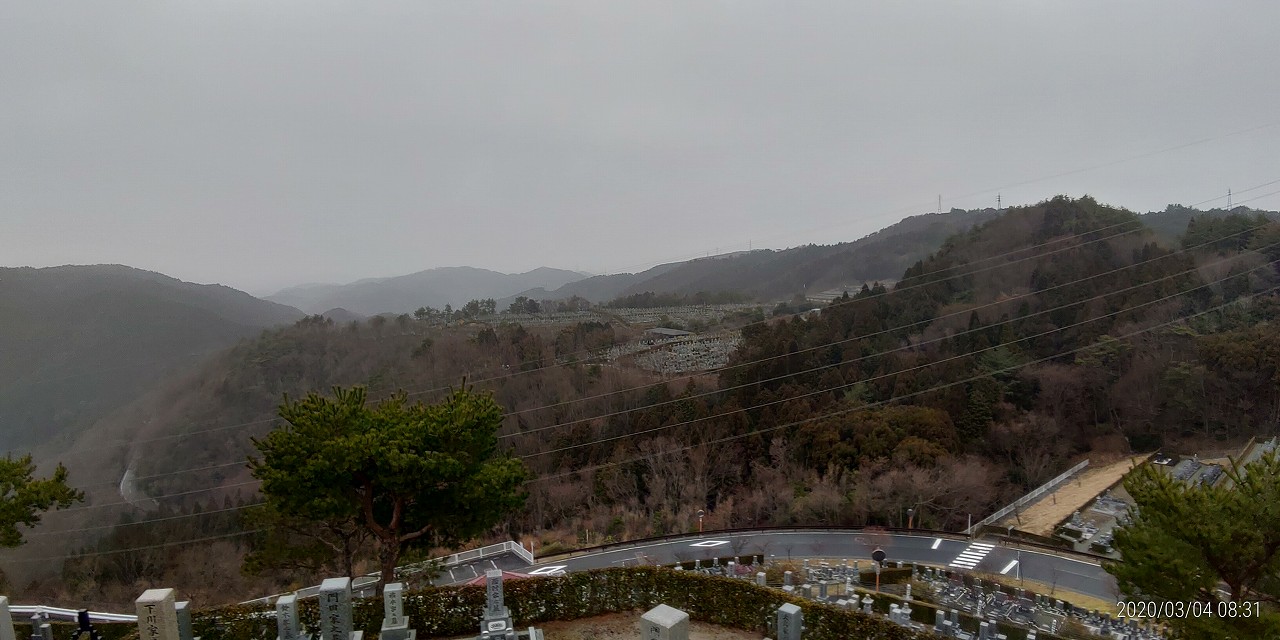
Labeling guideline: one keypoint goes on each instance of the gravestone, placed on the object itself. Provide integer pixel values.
(40, 628)
(760, 578)
(6, 620)
(664, 623)
(157, 615)
(786, 578)
(183, 610)
(287, 627)
(395, 624)
(335, 610)
(497, 618)
(939, 620)
(790, 622)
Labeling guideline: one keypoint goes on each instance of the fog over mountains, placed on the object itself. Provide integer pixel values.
(78, 341)
(433, 288)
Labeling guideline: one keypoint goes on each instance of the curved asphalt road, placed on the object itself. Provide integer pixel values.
(1065, 572)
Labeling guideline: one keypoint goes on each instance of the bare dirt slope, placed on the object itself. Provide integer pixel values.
(1073, 495)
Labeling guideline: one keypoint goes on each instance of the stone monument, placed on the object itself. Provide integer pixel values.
(287, 627)
(157, 615)
(497, 618)
(6, 620)
(664, 623)
(335, 610)
(790, 622)
(395, 625)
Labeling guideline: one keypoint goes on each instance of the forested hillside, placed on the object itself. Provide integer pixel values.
(1050, 332)
(78, 341)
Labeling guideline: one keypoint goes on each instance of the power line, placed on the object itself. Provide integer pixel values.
(150, 521)
(588, 352)
(880, 354)
(718, 440)
(895, 373)
(96, 447)
(907, 347)
(881, 403)
(132, 549)
(820, 347)
(167, 495)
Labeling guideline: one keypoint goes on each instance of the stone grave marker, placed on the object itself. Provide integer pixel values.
(866, 604)
(335, 610)
(664, 623)
(759, 579)
(40, 628)
(497, 618)
(157, 615)
(395, 625)
(6, 620)
(790, 622)
(786, 578)
(183, 611)
(287, 627)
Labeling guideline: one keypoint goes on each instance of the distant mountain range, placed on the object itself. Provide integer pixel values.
(79, 341)
(432, 288)
(772, 275)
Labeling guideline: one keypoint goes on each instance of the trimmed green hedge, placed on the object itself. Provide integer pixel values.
(448, 611)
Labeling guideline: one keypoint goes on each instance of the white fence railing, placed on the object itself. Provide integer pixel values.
(371, 580)
(21, 613)
(1030, 497)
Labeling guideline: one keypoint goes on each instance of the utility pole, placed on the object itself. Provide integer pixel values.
(998, 202)
(1228, 199)
(939, 203)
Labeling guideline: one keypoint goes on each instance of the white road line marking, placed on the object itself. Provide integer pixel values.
(936, 543)
(972, 555)
(710, 543)
(548, 570)
(1009, 567)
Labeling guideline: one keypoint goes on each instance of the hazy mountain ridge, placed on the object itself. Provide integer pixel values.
(769, 274)
(431, 288)
(78, 341)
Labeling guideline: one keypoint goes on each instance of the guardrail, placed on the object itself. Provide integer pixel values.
(1030, 497)
(70, 614)
(370, 580)
(471, 556)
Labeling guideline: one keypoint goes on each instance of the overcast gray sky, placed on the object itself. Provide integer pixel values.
(263, 144)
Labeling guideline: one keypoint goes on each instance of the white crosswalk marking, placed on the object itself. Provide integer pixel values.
(972, 555)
